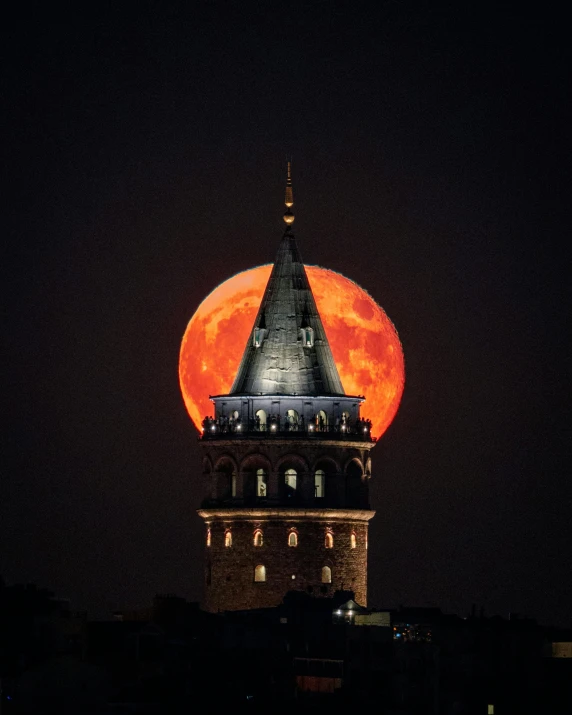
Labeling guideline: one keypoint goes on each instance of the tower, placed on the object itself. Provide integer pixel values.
(285, 458)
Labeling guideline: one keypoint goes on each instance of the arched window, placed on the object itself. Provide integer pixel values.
(228, 538)
(293, 539)
(322, 421)
(224, 479)
(261, 483)
(290, 479)
(208, 537)
(329, 543)
(326, 574)
(258, 537)
(260, 420)
(260, 573)
(306, 336)
(319, 483)
(354, 485)
(352, 540)
(292, 420)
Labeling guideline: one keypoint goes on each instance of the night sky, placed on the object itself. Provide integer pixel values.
(144, 163)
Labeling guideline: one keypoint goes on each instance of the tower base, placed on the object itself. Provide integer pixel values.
(255, 556)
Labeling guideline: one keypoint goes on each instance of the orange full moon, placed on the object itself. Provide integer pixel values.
(364, 342)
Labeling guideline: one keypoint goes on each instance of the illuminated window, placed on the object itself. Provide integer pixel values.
(307, 336)
(257, 337)
(321, 420)
(233, 485)
(261, 483)
(228, 538)
(320, 483)
(260, 573)
(490, 710)
(258, 537)
(292, 539)
(260, 420)
(326, 574)
(292, 420)
(290, 479)
(329, 540)
(208, 537)
(352, 540)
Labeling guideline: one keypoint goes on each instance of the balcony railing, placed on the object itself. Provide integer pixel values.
(357, 430)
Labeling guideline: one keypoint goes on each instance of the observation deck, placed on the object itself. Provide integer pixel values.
(225, 428)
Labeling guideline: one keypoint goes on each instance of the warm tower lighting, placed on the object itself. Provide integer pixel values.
(288, 374)
(289, 199)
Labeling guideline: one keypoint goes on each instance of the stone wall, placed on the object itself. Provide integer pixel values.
(230, 570)
(347, 468)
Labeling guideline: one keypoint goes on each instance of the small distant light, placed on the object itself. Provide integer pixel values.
(293, 576)
(338, 612)
(343, 428)
(212, 428)
(365, 429)
(350, 613)
(238, 427)
(311, 428)
(273, 428)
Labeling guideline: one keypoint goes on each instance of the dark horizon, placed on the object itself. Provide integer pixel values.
(145, 161)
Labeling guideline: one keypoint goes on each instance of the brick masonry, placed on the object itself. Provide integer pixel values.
(229, 571)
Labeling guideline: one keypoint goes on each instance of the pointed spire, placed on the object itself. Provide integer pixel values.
(288, 351)
(289, 198)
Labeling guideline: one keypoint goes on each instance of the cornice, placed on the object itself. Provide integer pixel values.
(246, 514)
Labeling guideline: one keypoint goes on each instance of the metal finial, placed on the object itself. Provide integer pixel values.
(289, 200)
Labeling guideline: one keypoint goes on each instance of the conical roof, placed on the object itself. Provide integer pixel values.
(282, 357)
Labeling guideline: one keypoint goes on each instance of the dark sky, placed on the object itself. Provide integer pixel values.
(144, 158)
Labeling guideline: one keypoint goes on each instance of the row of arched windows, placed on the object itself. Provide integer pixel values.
(290, 483)
(258, 538)
(260, 574)
(292, 420)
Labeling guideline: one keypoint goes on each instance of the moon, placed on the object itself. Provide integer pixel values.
(364, 342)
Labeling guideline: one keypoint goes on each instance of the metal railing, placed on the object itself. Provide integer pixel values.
(358, 430)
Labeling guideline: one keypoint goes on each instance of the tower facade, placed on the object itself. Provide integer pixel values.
(286, 458)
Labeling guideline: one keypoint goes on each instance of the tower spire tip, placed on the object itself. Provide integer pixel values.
(289, 199)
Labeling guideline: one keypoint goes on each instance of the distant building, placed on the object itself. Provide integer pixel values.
(286, 459)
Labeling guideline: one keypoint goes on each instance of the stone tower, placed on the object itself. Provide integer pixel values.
(285, 458)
